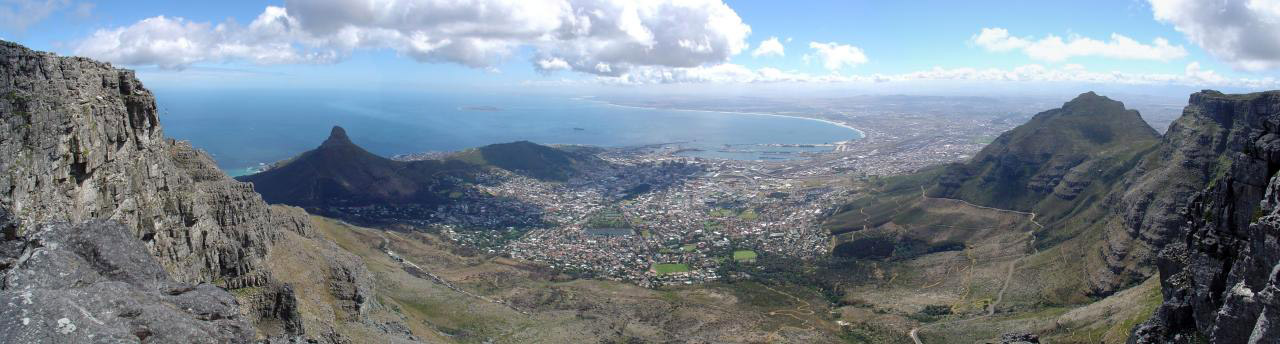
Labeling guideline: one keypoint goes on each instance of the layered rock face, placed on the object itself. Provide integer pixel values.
(80, 140)
(1218, 253)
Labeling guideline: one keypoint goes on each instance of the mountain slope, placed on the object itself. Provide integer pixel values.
(530, 159)
(1198, 207)
(1049, 205)
(1025, 165)
(340, 173)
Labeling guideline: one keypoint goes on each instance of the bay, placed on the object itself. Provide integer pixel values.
(243, 129)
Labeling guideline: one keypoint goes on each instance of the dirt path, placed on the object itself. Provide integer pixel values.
(1008, 277)
(804, 308)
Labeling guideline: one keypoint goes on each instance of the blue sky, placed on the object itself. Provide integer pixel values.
(423, 43)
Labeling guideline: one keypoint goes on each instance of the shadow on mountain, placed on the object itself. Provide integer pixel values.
(340, 179)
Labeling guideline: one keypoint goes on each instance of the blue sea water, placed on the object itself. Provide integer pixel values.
(243, 129)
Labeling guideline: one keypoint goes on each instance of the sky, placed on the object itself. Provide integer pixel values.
(682, 45)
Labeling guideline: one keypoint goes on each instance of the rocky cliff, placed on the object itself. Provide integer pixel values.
(82, 141)
(1218, 251)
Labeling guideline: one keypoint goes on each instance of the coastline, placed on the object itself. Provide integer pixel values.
(858, 134)
(861, 134)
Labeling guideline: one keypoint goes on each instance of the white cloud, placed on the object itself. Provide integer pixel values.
(177, 43)
(1244, 33)
(605, 37)
(836, 56)
(551, 64)
(1033, 73)
(998, 39)
(769, 47)
(1055, 49)
(18, 15)
(1194, 72)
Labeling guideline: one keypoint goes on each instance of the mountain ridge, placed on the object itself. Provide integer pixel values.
(339, 172)
(1025, 165)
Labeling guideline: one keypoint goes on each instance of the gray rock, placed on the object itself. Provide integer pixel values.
(81, 140)
(1019, 338)
(94, 283)
(1219, 260)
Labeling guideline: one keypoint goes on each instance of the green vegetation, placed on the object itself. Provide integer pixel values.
(670, 268)
(744, 255)
(1220, 170)
(245, 292)
(863, 333)
(530, 159)
(757, 295)
(722, 212)
(689, 248)
(15, 97)
(746, 215)
(608, 218)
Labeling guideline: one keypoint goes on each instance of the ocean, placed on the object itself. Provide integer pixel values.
(244, 129)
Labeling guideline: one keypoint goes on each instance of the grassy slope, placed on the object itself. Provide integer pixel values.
(1047, 283)
(564, 311)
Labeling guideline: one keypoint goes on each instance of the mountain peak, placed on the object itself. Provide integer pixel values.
(1089, 97)
(1094, 105)
(337, 137)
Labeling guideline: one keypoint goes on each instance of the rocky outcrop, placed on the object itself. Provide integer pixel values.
(81, 140)
(1219, 253)
(1197, 150)
(95, 283)
(1019, 338)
